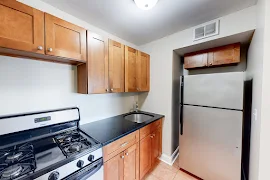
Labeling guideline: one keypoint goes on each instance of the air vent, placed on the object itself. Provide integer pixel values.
(206, 30)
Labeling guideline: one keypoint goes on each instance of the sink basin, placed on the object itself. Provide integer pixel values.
(138, 118)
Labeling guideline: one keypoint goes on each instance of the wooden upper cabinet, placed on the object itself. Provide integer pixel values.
(64, 39)
(114, 168)
(131, 163)
(143, 72)
(195, 60)
(21, 27)
(131, 69)
(116, 66)
(224, 55)
(97, 64)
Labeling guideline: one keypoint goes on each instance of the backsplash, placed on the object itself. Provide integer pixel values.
(28, 85)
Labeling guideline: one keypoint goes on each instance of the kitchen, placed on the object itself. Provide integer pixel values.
(34, 86)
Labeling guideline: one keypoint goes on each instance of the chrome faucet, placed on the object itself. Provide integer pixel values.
(136, 107)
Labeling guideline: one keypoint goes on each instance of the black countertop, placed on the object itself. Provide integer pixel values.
(108, 130)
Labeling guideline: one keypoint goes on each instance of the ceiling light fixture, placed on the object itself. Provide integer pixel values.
(145, 4)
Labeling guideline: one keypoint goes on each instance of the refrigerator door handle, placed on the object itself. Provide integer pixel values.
(181, 119)
(181, 105)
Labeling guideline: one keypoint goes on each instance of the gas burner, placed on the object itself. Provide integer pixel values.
(16, 161)
(12, 171)
(14, 157)
(72, 142)
(75, 147)
(67, 139)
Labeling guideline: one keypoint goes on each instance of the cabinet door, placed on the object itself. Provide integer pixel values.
(145, 156)
(143, 71)
(97, 64)
(64, 39)
(116, 66)
(155, 143)
(113, 169)
(21, 27)
(130, 69)
(131, 163)
(195, 61)
(224, 55)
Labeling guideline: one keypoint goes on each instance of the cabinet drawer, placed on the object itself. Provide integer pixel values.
(155, 125)
(145, 131)
(120, 145)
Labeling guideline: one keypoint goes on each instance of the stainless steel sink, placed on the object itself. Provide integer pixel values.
(138, 118)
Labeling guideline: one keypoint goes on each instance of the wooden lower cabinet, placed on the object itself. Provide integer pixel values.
(145, 155)
(114, 168)
(155, 145)
(131, 163)
(150, 150)
(134, 155)
(124, 166)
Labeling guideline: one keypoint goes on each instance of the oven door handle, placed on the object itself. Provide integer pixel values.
(87, 171)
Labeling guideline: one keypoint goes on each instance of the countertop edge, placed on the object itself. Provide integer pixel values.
(155, 118)
(129, 132)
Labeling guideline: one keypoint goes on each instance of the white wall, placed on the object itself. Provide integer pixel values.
(254, 71)
(265, 112)
(159, 99)
(28, 85)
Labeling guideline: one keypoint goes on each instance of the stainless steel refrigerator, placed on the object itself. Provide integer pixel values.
(211, 119)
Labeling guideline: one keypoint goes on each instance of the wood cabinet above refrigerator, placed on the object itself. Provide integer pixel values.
(224, 55)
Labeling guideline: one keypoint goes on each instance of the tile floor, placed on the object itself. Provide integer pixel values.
(163, 171)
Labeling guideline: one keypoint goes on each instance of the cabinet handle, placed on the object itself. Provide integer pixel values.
(50, 49)
(39, 47)
(124, 144)
(122, 157)
(107, 90)
(210, 64)
(112, 89)
(126, 154)
(152, 136)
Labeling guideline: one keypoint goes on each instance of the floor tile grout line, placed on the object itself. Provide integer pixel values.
(174, 176)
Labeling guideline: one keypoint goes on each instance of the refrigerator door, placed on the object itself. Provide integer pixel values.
(224, 90)
(210, 146)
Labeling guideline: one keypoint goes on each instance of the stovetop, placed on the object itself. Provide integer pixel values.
(16, 161)
(41, 154)
(73, 142)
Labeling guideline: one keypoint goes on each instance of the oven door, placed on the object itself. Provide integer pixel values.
(93, 171)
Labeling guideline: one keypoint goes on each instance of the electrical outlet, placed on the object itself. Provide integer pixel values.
(255, 114)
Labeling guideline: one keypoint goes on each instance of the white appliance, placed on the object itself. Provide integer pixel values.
(48, 146)
(211, 121)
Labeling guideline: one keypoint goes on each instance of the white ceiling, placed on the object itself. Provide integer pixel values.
(123, 19)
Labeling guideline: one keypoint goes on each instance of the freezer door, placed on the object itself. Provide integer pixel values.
(210, 146)
(224, 90)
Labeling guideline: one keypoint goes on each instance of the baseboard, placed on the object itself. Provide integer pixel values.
(170, 159)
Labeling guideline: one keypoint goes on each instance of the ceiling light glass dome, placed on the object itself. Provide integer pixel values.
(145, 4)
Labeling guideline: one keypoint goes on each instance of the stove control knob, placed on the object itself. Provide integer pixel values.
(54, 176)
(80, 164)
(91, 158)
